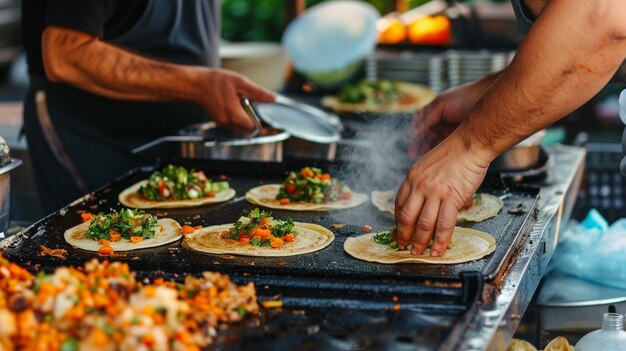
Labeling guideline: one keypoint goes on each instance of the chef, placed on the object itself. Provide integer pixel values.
(571, 52)
(109, 75)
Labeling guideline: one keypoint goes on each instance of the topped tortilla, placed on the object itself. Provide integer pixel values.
(410, 98)
(488, 206)
(469, 245)
(306, 190)
(131, 198)
(310, 238)
(167, 231)
(174, 187)
(265, 195)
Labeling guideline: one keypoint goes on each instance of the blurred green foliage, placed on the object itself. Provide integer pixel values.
(259, 20)
(265, 20)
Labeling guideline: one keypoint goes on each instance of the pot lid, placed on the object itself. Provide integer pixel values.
(298, 119)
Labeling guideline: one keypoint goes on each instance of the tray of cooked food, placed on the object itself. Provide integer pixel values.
(300, 219)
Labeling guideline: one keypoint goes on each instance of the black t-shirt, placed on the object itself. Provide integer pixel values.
(103, 18)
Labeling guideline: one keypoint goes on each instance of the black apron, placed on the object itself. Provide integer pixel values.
(79, 141)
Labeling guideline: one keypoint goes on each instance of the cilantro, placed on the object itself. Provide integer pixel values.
(70, 344)
(241, 311)
(387, 238)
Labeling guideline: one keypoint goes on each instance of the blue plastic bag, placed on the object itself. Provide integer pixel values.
(593, 251)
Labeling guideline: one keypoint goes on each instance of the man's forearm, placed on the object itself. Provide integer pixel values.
(571, 52)
(99, 67)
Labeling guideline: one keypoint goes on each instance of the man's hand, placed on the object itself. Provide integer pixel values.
(86, 62)
(437, 120)
(221, 91)
(433, 192)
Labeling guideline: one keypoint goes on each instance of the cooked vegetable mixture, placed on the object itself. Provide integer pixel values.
(133, 225)
(311, 185)
(258, 228)
(103, 307)
(178, 183)
(371, 92)
(389, 239)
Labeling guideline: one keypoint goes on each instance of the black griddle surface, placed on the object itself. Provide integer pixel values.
(329, 263)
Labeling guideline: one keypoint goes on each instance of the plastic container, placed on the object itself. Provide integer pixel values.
(611, 337)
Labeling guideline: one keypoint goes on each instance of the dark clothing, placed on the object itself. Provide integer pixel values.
(97, 133)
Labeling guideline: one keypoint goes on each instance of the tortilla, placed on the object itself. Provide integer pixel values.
(309, 238)
(131, 198)
(171, 232)
(413, 97)
(265, 195)
(489, 207)
(520, 345)
(469, 245)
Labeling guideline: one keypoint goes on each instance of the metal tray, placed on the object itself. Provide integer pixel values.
(330, 263)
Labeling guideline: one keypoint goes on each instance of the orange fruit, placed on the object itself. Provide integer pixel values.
(391, 31)
(430, 30)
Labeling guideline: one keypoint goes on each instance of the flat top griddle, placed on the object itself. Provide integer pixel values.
(329, 263)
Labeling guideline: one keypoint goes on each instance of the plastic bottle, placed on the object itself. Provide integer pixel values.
(611, 337)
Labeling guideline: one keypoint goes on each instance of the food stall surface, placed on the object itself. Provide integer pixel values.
(331, 301)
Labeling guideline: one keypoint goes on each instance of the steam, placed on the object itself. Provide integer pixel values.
(375, 158)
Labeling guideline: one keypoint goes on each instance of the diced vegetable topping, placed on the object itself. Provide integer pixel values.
(125, 223)
(258, 228)
(475, 199)
(178, 183)
(313, 186)
(371, 92)
(387, 238)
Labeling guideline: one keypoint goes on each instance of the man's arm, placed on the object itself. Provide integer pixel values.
(571, 52)
(85, 61)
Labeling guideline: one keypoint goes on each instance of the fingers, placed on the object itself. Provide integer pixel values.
(406, 216)
(254, 91)
(445, 226)
(426, 224)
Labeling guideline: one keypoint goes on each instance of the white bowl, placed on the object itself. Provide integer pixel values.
(264, 63)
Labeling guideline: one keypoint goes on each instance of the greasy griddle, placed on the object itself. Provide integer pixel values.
(330, 264)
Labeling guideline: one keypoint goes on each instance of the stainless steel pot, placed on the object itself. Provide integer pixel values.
(522, 156)
(6, 165)
(207, 140)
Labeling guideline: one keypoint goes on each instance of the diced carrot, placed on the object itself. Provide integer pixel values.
(263, 233)
(325, 176)
(115, 236)
(264, 220)
(105, 251)
(284, 201)
(276, 243)
(272, 303)
(289, 237)
(291, 188)
(188, 229)
(197, 227)
(86, 216)
(244, 239)
(158, 281)
(306, 173)
(209, 195)
(99, 337)
(104, 242)
(135, 239)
